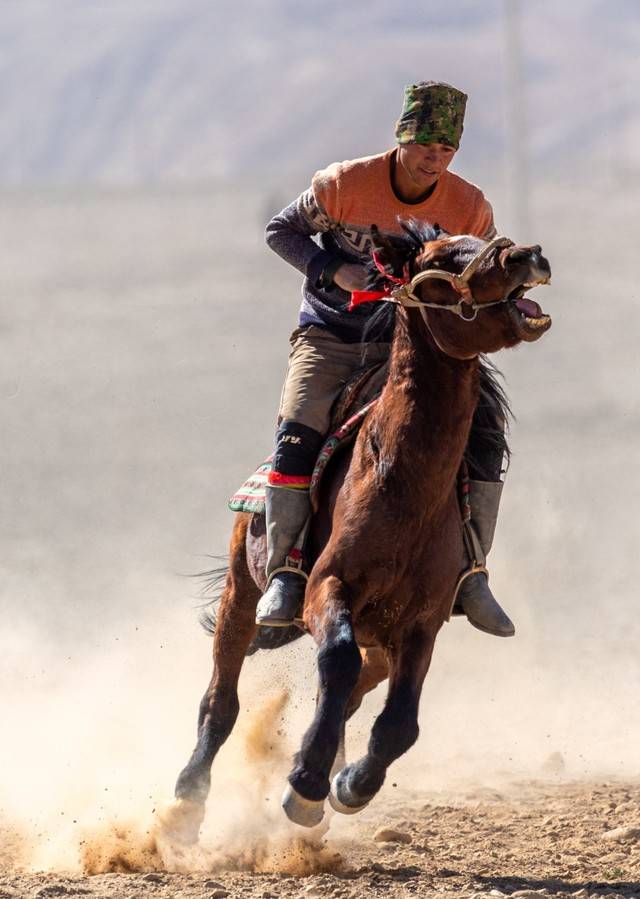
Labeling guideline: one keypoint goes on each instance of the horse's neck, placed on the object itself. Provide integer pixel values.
(425, 411)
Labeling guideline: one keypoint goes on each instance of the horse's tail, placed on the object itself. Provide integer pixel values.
(211, 588)
(212, 583)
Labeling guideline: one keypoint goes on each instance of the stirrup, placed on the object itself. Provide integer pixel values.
(279, 611)
(294, 569)
(474, 568)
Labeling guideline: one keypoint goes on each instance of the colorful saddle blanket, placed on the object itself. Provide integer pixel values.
(250, 497)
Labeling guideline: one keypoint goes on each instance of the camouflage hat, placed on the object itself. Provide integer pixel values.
(433, 113)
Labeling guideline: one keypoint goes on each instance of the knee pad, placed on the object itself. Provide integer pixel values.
(297, 448)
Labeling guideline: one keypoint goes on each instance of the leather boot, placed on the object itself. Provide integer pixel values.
(474, 596)
(287, 511)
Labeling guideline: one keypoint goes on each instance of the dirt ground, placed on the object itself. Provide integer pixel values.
(528, 838)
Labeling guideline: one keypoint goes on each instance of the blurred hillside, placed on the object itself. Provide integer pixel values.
(158, 90)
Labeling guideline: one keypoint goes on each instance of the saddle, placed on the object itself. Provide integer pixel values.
(358, 396)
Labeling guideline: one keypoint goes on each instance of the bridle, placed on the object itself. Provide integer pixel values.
(403, 293)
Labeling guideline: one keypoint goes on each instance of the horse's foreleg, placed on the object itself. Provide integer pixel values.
(375, 668)
(339, 665)
(235, 628)
(396, 728)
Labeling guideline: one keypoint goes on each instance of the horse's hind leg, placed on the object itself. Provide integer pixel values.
(396, 728)
(235, 628)
(339, 665)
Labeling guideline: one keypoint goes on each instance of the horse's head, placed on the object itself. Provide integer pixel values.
(473, 290)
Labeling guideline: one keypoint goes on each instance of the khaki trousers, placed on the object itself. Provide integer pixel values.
(319, 366)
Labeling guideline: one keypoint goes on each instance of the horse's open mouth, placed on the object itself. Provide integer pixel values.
(528, 319)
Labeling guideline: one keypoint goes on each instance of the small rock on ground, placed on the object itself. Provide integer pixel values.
(391, 835)
(525, 894)
(620, 834)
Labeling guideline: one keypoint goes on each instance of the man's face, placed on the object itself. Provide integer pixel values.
(424, 163)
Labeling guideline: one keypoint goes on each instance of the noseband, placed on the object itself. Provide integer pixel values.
(403, 294)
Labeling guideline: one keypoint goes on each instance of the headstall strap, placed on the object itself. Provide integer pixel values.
(404, 295)
(405, 272)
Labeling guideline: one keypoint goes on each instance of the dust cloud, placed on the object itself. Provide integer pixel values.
(247, 831)
(139, 383)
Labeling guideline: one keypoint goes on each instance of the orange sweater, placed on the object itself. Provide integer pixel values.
(358, 193)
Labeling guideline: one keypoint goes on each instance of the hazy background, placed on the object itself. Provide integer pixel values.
(144, 324)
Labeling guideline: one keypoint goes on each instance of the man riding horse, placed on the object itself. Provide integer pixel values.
(411, 181)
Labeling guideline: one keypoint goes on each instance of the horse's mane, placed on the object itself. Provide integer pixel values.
(494, 411)
(491, 421)
(397, 250)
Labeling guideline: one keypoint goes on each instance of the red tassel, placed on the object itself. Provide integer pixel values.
(370, 296)
(366, 296)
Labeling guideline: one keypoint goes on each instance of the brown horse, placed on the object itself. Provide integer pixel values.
(387, 544)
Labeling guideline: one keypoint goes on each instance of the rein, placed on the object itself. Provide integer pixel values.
(403, 292)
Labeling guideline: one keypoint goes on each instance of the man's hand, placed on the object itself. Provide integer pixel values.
(351, 277)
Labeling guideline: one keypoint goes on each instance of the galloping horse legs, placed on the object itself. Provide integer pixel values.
(395, 729)
(339, 665)
(235, 628)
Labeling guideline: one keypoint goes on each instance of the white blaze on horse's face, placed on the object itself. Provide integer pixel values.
(539, 268)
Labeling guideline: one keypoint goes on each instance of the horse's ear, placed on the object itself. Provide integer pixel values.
(392, 254)
(440, 231)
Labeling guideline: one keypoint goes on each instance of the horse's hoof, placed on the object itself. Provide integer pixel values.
(305, 812)
(341, 798)
(181, 821)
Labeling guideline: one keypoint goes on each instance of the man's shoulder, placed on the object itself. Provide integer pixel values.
(468, 209)
(462, 188)
(351, 172)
